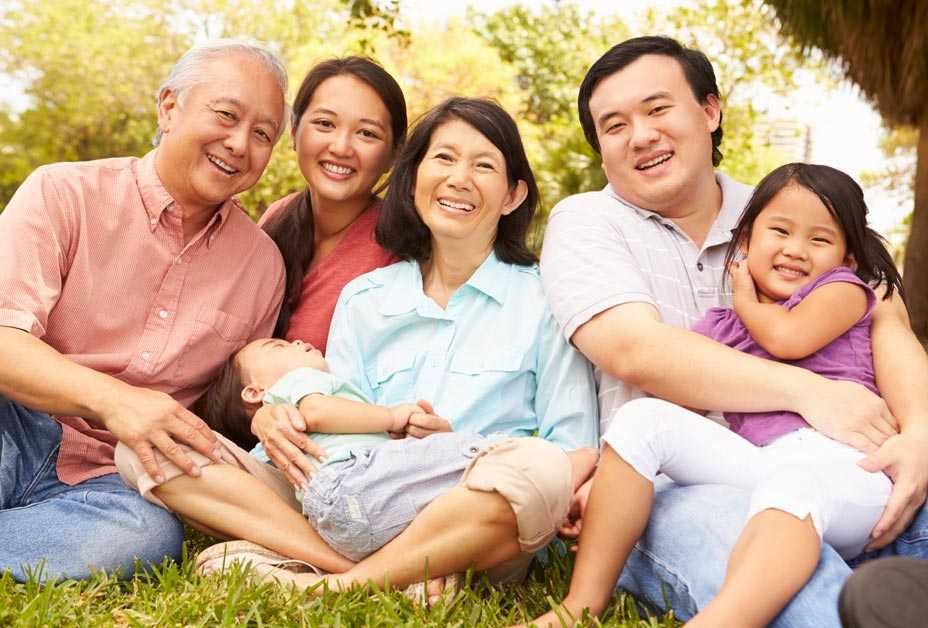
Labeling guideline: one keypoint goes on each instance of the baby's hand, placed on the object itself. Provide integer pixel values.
(400, 415)
(742, 284)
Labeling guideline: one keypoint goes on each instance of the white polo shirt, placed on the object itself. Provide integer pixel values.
(601, 251)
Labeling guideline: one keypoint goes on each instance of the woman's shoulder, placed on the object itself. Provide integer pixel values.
(375, 280)
(276, 207)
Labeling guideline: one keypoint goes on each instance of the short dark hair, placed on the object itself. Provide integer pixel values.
(845, 200)
(222, 408)
(292, 227)
(696, 68)
(401, 231)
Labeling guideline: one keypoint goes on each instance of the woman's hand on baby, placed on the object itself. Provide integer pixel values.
(282, 430)
(426, 422)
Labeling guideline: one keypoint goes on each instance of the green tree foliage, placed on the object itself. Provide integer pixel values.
(551, 49)
(90, 70)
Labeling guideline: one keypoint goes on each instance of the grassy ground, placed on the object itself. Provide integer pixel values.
(172, 595)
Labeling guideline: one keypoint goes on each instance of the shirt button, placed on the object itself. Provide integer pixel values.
(163, 314)
(699, 266)
(154, 221)
(146, 355)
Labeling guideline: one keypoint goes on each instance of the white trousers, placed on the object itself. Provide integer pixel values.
(803, 473)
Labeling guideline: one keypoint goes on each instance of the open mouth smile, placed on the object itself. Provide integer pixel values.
(656, 161)
(336, 169)
(456, 206)
(221, 165)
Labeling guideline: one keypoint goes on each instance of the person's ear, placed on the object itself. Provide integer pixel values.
(516, 197)
(850, 262)
(252, 394)
(167, 110)
(713, 110)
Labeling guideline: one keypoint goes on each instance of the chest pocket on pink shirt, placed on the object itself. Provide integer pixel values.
(215, 336)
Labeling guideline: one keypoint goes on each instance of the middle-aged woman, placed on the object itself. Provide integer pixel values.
(462, 323)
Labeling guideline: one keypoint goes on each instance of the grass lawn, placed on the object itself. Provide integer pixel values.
(173, 595)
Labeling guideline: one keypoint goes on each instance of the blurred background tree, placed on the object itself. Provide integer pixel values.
(87, 71)
(883, 48)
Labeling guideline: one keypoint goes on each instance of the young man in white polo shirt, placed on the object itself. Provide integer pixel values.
(629, 268)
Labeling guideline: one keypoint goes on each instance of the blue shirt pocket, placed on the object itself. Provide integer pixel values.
(495, 377)
(392, 377)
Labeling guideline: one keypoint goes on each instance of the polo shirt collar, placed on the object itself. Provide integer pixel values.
(405, 293)
(156, 199)
(734, 199)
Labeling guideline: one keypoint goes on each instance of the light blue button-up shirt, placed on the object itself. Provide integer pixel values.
(492, 361)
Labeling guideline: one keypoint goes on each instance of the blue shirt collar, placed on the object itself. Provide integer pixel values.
(405, 294)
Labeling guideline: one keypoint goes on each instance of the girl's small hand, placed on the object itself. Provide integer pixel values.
(742, 284)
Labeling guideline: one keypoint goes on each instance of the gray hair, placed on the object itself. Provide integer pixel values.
(188, 71)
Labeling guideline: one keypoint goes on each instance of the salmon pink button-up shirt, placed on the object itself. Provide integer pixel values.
(93, 262)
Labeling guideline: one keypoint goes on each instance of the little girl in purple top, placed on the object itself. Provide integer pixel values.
(801, 294)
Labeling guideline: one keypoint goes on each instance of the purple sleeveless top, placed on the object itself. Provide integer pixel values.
(848, 357)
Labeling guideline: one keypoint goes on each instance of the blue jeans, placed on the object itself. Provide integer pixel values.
(680, 561)
(69, 531)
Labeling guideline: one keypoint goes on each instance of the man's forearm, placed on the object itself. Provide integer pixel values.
(35, 375)
(687, 368)
(900, 364)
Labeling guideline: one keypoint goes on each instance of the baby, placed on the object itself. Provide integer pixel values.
(369, 487)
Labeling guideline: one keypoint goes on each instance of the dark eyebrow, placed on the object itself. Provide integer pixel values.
(376, 123)
(649, 98)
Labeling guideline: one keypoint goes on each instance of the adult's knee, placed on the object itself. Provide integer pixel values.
(534, 477)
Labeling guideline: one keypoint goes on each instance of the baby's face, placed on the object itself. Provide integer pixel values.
(262, 362)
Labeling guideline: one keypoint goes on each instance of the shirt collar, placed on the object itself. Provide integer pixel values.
(156, 199)
(405, 293)
(734, 198)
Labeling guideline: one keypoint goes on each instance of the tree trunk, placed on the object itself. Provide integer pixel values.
(916, 250)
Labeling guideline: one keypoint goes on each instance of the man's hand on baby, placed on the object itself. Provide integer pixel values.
(282, 430)
(426, 422)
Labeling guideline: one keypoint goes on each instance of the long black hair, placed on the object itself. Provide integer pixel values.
(401, 231)
(845, 200)
(292, 227)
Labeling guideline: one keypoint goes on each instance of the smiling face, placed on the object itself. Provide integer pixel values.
(343, 141)
(218, 138)
(262, 362)
(462, 188)
(794, 240)
(654, 136)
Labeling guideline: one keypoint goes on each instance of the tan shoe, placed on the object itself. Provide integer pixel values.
(220, 557)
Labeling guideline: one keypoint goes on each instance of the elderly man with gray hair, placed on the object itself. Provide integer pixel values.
(125, 284)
